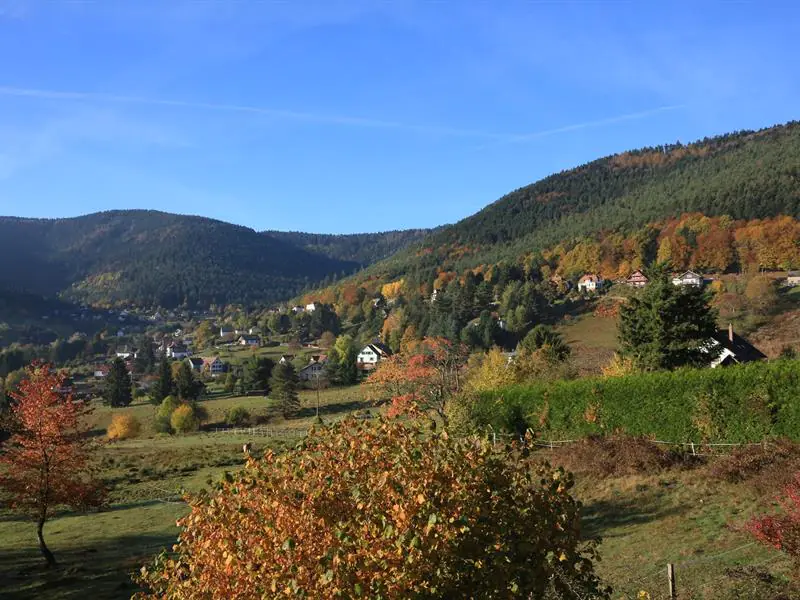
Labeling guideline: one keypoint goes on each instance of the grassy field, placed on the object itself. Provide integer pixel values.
(679, 516)
(593, 340)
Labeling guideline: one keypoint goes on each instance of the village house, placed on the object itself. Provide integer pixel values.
(286, 359)
(226, 332)
(250, 340)
(311, 307)
(637, 279)
(371, 355)
(314, 370)
(793, 278)
(734, 349)
(101, 371)
(590, 283)
(298, 309)
(196, 363)
(214, 366)
(126, 352)
(177, 351)
(688, 278)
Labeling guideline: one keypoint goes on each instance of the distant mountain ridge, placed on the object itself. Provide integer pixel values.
(360, 248)
(151, 258)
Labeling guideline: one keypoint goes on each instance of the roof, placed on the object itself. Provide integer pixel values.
(637, 274)
(589, 277)
(742, 350)
(208, 361)
(378, 348)
(686, 274)
(196, 360)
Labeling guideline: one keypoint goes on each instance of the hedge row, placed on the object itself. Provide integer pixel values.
(743, 403)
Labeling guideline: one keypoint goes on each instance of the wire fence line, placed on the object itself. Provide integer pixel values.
(696, 447)
(262, 431)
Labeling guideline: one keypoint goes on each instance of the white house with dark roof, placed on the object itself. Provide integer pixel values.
(688, 278)
(371, 355)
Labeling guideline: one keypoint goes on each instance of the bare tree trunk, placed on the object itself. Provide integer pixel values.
(48, 556)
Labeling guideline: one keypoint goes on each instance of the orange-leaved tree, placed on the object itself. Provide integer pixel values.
(45, 463)
(421, 380)
(382, 510)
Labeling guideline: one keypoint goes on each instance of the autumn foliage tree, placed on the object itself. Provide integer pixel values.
(382, 511)
(45, 463)
(782, 531)
(422, 380)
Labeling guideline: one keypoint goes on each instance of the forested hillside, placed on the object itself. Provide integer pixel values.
(361, 248)
(151, 258)
(746, 175)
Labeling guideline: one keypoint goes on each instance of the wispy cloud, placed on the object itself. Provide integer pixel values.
(328, 119)
(642, 114)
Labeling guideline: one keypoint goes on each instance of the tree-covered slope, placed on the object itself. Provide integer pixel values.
(745, 175)
(154, 258)
(360, 248)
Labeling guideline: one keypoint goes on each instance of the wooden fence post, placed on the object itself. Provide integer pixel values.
(673, 593)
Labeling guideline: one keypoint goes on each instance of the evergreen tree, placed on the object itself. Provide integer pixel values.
(284, 388)
(118, 385)
(187, 387)
(667, 327)
(164, 386)
(256, 374)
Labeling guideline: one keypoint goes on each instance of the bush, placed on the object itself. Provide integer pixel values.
(163, 416)
(380, 510)
(184, 419)
(782, 530)
(743, 403)
(767, 469)
(237, 415)
(621, 455)
(123, 427)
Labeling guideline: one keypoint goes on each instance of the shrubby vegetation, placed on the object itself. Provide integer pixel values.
(743, 403)
(382, 511)
(123, 427)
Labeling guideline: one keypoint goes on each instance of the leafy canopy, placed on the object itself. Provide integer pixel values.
(382, 511)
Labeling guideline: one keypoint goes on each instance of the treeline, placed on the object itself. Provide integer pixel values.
(743, 403)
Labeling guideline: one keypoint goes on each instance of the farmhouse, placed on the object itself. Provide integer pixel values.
(196, 363)
(590, 283)
(286, 359)
(101, 371)
(314, 370)
(177, 351)
(793, 278)
(637, 279)
(250, 340)
(688, 278)
(225, 332)
(734, 349)
(371, 355)
(214, 366)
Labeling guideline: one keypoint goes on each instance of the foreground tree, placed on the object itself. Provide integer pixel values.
(382, 511)
(45, 463)
(118, 390)
(667, 327)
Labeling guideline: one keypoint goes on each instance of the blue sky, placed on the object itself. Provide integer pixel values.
(363, 116)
